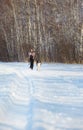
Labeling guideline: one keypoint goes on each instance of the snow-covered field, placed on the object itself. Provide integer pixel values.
(49, 99)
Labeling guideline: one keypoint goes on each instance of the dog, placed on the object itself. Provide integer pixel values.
(38, 63)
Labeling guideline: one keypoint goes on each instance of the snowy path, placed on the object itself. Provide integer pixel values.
(51, 99)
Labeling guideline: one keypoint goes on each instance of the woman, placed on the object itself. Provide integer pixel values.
(31, 58)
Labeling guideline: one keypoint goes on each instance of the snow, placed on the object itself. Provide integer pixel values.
(49, 99)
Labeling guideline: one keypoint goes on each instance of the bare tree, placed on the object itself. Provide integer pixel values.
(53, 27)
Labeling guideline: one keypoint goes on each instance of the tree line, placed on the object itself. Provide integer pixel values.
(54, 28)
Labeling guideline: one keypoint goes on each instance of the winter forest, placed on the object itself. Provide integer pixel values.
(54, 28)
(44, 92)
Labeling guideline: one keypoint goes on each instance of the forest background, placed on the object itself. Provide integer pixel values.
(54, 28)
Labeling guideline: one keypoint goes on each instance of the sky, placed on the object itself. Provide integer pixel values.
(49, 99)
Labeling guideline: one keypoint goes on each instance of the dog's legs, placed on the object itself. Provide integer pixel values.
(38, 66)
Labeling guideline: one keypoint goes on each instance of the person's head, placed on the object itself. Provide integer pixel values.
(31, 50)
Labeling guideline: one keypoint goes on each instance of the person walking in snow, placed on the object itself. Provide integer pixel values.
(31, 58)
